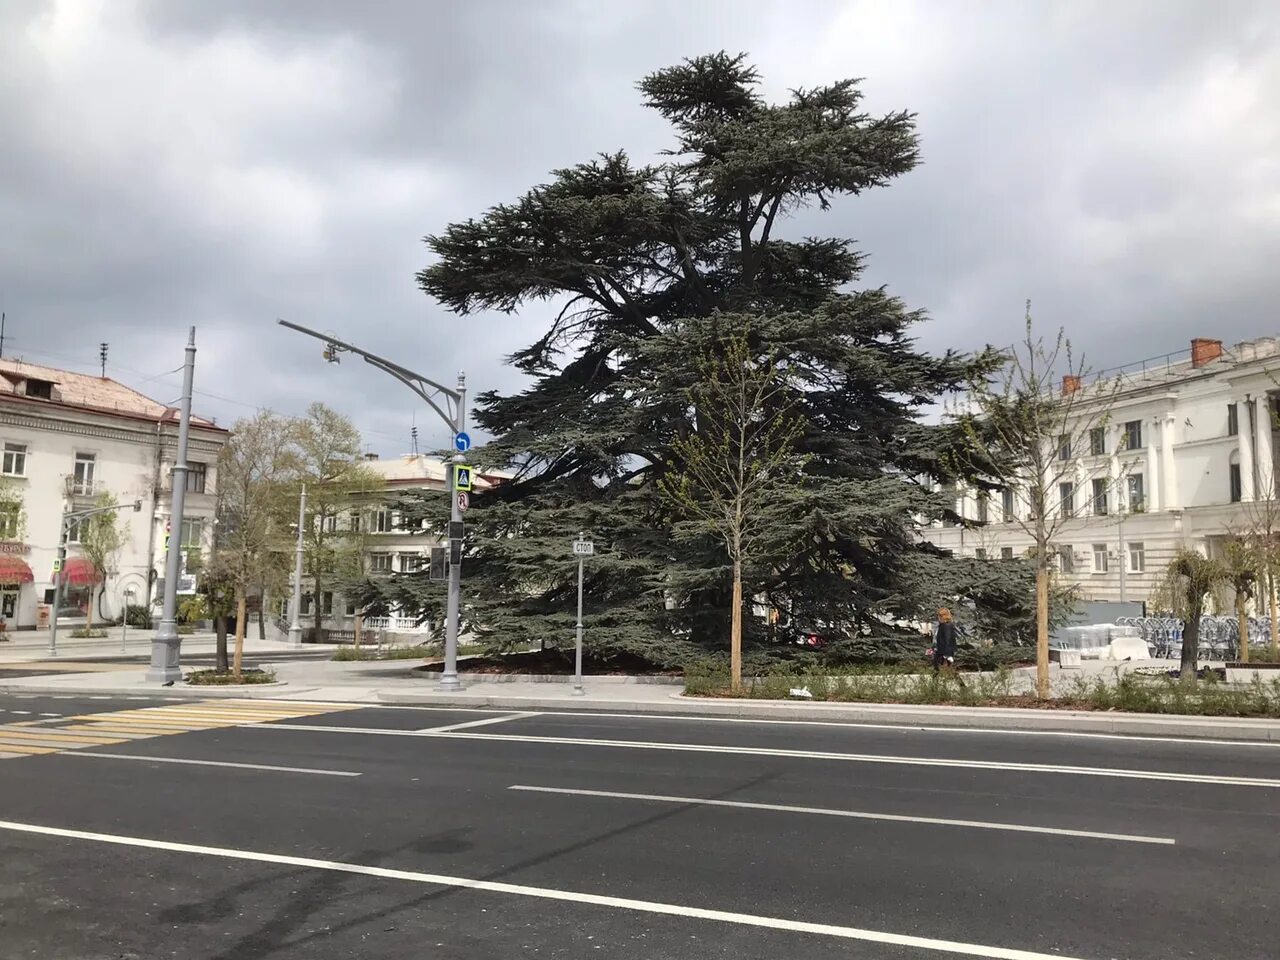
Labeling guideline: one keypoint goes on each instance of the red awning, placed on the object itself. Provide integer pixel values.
(79, 572)
(14, 570)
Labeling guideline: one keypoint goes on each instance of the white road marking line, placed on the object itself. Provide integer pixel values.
(477, 723)
(853, 814)
(903, 727)
(211, 763)
(1120, 772)
(549, 893)
(50, 714)
(25, 713)
(846, 724)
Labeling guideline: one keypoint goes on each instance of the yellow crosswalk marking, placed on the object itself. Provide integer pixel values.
(94, 729)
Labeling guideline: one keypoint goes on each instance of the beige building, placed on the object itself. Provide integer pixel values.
(66, 438)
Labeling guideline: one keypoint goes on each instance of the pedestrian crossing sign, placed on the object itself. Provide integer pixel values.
(461, 478)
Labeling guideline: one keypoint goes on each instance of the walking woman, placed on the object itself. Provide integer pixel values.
(944, 641)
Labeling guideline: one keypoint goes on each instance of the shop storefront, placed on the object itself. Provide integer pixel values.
(15, 577)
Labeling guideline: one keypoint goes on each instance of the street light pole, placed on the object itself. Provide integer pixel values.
(295, 625)
(449, 677)
(166, 645)
(453, 413)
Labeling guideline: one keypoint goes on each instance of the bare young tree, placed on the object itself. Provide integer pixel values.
(1240, 573)
(741, 449)
(101, 539)
(255, 472)
(1036, 420)
(1261, 529)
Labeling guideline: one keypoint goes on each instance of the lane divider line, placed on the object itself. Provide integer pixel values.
(210, 763)
(477, 723)
(549, 893)
(1118, 772)
(852, 814)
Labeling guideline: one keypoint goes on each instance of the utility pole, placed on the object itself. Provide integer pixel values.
(1124, 566)
(295, 625)
(453, 413)
(102, 358)
(166, 645)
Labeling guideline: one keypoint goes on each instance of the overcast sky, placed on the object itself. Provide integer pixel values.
(225, 163)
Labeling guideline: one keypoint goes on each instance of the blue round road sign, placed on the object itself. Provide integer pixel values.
(462, 441)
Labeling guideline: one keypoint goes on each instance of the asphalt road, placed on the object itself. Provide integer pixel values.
(396, 832)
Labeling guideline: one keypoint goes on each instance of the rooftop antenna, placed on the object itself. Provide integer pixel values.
(413, 437)
(102, 358)
(1, 334)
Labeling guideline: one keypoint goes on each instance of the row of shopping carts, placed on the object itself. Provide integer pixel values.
(1219, 635)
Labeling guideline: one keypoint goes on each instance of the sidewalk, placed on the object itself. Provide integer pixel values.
(396, 683)
(134, 642)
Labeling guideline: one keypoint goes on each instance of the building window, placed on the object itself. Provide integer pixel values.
(1099, 497)
(984, 507)
(10, 520)
(196, 473)
(382, 521)
(1133, 435)
(40, 388)
(1006, 505)
(1066, 560)
(326, 604)
(350, 608)
(76, 530)
(410, 563)
(380, 562)
(1006, 553)
(980, 553)
(354, 525)
(1137, 498)
(1233, 420)
(192, 533)
(15, 460)
(1067, 499)
(1137, 557)
(82, 482)
(331, 524)
(1098, 441)
(1236, 493)
(306, 604)
(1064, 447)
(1099, 558)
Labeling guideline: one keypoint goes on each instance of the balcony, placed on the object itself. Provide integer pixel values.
(82, 489)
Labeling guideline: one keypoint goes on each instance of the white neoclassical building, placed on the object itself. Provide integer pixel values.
(67, 437)
(1187, 456)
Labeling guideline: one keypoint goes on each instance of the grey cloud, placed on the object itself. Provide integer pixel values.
(223, 164)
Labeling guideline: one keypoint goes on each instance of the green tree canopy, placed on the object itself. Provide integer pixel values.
(642, 263)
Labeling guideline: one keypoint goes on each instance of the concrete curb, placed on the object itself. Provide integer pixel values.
(195, 693)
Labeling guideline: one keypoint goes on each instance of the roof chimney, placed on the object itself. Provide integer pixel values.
(1070, 383)
(1204, 351)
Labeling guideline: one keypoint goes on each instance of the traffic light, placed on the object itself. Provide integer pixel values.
(437, 563)
(331, 354)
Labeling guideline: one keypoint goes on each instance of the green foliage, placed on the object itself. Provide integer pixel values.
(193, 609)
(138, 615)
(646, 264)
(1210, 698)
(80, 633)
(1182, 591)
(214, 678)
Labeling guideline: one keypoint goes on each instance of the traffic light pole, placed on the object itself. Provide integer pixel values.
(451, 407)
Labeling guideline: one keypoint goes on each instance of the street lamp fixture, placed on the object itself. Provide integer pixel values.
(450, 406)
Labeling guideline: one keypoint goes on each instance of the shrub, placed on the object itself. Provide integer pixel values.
(137, 615)
(82, 632)
(214, 678)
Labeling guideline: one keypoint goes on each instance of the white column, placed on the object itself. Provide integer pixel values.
(1246, 451)
(1168, 475)
(1266, 466)
(1151, 488)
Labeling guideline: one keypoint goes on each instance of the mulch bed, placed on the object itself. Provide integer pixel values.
(553, 663)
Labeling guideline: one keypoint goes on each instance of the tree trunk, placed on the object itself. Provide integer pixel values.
(262, 619)
(735, 632)
(1191, 640)
(240, 625)
(1042, 627)
(220, 628)
(358, 629)
(315, 604)
(1242, 625)
(1275, 615)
